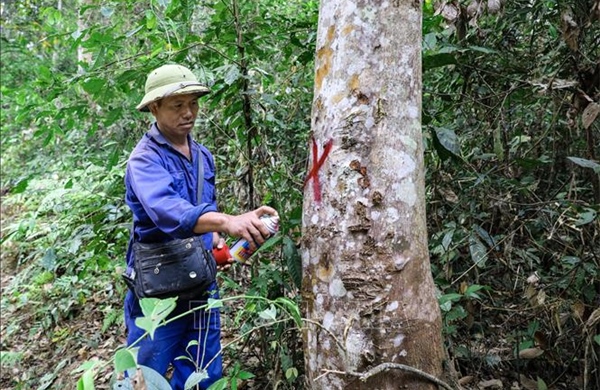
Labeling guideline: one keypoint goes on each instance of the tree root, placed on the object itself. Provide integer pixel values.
(363, 376)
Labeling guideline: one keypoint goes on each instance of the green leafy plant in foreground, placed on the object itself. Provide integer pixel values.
(156, 312)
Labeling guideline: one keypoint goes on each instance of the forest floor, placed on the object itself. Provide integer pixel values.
(42, 358)
(49, 358)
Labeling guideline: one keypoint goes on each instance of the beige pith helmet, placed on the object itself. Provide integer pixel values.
(170, 80)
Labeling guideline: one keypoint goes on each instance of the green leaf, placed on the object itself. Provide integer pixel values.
(245, 375)
(153, 379)
(49, 260)
(478, 251)
(106, 11)
(472, 291)
(124, 360)
(541, 385)
(221, 384)
(582, 162)
(447, 240)
(21, 186)
(291, 373)
(481, 232)
(269, 314)
(437, 61)
(151, 20)
(293, 261)
(481, 49)
(214, 304)
(93, 85)
(155, 311)
(450, 297)
(86, 382)
(597, 339)
(195, 378)
(292, 309)
(446, 143)
(270, 243)
(232, 74)
(586, 217)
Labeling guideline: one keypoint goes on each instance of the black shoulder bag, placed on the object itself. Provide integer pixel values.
(181, 267)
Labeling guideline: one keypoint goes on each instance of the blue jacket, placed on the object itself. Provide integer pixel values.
(161, 190)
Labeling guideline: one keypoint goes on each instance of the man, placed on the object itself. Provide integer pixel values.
(161, 182)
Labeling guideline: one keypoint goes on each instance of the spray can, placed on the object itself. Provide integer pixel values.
(241, 251)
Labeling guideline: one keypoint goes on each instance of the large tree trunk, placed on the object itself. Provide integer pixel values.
(368, 287)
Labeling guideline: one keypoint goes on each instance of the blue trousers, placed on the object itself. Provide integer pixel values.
(171, 341)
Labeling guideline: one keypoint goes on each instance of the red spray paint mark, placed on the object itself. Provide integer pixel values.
(316, 166)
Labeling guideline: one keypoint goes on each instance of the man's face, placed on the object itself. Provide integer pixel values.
(176, 114)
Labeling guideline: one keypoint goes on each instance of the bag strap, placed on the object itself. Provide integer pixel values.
(200, 177)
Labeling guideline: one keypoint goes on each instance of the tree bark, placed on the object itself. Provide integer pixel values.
(367, 289)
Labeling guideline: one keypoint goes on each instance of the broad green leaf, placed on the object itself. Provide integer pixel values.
(151, 20)
(291, 373)
(195, 378)
(472, 291)
(541, 385)
(86, 382)
(570, 260)
(437, 61)
(49, 260)
(232, 74)
(124, 360)
(93, 85)
(478, 251)
(586, 217)
(106, 11)
(446, 306)
(153, 379)
(221, 384)
(44, 74)
(155, 311)
(212, 303)
(446, 143)
(458, 312)
(446, 301)
(21, 186)
(245, 375)
(270, 243)
(481, 232)
(582, 162)
(269, 314)
(293, 261)
(597, 339)
(481, 49)
(447, 240)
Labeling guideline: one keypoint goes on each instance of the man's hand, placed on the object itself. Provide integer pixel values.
(249, 226)
(220, 250)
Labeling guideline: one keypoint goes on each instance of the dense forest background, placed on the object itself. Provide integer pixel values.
(510, 105)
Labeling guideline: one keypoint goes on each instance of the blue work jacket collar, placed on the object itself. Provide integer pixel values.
(157, 136)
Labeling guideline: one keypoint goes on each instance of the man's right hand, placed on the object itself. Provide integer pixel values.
(249, 226)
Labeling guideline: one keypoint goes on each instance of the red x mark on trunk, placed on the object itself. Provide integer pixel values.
(316, 166)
